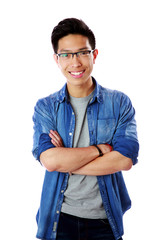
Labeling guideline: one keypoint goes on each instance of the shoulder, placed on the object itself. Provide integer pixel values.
(48, 102)
(113, 95)
(54, 98)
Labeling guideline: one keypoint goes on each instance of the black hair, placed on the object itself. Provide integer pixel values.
(71, 26)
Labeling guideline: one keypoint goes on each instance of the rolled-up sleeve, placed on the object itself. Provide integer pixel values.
(43, 123)
(125, 138)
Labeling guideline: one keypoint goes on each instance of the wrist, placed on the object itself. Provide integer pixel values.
(105, 148)
(99, 150)
(110, 147)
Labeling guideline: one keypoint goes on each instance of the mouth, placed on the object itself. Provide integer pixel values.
(77, 74)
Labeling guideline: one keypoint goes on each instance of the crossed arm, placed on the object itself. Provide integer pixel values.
(83, 161)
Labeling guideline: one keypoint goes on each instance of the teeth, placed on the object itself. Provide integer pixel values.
(76, 73)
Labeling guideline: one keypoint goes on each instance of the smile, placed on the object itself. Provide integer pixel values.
(77, 74)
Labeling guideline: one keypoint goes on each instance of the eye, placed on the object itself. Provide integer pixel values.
(84, 53)
(64, 55)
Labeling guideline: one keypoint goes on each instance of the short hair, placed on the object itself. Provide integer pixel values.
(71, 26)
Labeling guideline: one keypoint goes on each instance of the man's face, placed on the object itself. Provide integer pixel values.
(76, 69)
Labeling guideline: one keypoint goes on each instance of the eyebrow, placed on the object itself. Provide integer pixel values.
(67, 50)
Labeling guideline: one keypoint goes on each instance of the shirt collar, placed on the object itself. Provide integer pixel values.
(97, 92)
(63, 93)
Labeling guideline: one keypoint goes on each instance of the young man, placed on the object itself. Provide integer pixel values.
(84, 135)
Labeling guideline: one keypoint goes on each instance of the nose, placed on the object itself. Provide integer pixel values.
(75, 61)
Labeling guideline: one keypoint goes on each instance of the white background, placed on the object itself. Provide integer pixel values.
(128, 39)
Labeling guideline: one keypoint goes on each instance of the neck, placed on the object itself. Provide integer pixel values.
(80, 91)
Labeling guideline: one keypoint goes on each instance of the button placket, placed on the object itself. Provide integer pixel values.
(71, 129)
(58, 209)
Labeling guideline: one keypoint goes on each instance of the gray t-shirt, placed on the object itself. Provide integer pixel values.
(82, 197)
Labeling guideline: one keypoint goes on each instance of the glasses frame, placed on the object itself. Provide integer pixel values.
(75, 53)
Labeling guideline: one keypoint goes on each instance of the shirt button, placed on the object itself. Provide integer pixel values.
(57, 212)
(70, 134)
(62, 191)
(72, 113)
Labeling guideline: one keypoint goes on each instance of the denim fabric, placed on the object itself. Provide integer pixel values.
(110, 120)
(75, 228)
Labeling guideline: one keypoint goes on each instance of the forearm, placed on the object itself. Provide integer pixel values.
(63, 159)
(109, 163)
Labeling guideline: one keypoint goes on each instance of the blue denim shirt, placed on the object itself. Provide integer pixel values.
(110, 120)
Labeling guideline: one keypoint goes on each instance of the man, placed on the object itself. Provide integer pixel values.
(84, 135)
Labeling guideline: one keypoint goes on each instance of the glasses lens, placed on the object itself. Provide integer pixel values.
(81, 54)
(63, 55)
(84, 53)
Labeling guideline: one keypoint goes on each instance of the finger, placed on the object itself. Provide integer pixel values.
(56, 139)
(55, 135)
(56, 144)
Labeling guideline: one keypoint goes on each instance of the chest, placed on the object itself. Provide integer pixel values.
(100, 119)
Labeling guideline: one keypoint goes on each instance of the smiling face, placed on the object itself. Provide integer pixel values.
(77, 69)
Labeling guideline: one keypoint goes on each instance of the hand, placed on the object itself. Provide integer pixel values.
(56, 139)
(105, 148)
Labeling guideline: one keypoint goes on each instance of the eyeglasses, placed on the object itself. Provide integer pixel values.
(68, 56)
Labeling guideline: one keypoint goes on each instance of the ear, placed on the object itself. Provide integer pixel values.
(55, 58)
(95, 54)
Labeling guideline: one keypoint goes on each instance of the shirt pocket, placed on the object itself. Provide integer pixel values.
(105, 130)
